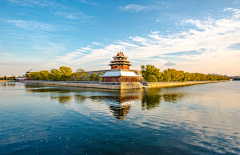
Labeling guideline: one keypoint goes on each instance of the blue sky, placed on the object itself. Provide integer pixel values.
(191, 35)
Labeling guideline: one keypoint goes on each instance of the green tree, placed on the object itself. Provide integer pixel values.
(79, 74)
(187, 76)
(44, 75)
(55, 75)
(66, 72)
(99, 77)
(93, 77)
(167, 75)
(150, 73)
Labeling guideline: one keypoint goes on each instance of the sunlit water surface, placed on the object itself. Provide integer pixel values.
(197, 119)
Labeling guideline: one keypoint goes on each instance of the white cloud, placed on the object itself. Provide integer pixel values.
(74, 16)
(88, 2)
(6, 54)
(42, 3)
(211, 36)
(170, 64)
(145, 8)
(69, 56)
(236, 1)
(96, 44)
(135, 7)
(17, 64)
(32, 25)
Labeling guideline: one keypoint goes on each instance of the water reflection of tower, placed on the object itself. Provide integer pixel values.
(121, 105)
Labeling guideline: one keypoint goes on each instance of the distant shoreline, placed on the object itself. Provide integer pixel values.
(7, 81)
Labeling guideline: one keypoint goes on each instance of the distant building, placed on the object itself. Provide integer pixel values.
(223, 75)
(217, 74)
(23, 78)
(235, 77)
(212, 74)
(30, 71)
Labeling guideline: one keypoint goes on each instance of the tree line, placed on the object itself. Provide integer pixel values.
(64, 74)
(152, 74)
(149, 72)
(8, 78)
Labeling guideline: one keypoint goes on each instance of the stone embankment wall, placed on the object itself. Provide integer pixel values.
(117, 85)
(87, 84)
(174, 83)
(7, 80)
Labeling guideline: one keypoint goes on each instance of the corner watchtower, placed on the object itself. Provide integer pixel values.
(120, 62)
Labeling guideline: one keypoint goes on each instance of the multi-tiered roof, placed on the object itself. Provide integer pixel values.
(120, 70)
(120, 62)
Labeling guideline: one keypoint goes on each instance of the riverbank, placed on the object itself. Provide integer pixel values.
(7, 80)
(175, 83)
(89, 84)
(117, 85)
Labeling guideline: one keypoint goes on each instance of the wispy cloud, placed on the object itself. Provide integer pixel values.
(213, 35)
(31, 25)
(6, 54)
(145, 8)
(17, 64)
(170, 64)
(69, 56)
(97, 44)
(137, 8)
(74, 16)
(43, 3)
(88, 2)
(236, 1)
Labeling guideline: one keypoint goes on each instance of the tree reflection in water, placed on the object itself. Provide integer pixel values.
(172, 97)
(62, 99)
(152, 99)
(79, 98)
(9, 84)
(62, 94)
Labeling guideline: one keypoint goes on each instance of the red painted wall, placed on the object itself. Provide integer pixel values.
(122, 79)
(120, 67)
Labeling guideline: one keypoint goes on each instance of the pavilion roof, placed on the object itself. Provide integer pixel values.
(120, 54)
(120, 73)
(30, 71)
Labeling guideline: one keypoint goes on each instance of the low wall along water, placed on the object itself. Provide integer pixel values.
(7, 80)
(117, 85)
(174, 83)
(87, 84)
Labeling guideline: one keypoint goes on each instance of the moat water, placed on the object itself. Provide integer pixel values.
(197, 119)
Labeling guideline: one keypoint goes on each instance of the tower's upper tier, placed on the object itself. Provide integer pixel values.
(120, 62)
(120, 55)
